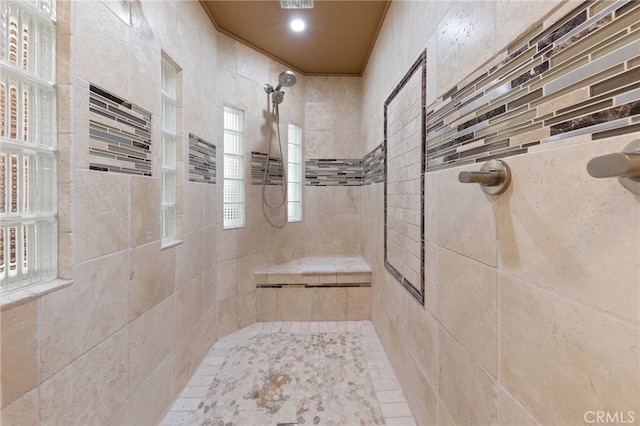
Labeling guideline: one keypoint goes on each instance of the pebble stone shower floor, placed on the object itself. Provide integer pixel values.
(294, 373)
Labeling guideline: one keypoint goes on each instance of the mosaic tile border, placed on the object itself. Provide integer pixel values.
(325, 172)
(415, 289)
(285, 285)
(580, 75)
(334, 172)
(258, 165)
(119, 135)
(373, 165)
(202, 160)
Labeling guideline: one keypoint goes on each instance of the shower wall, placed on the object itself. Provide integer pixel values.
(116, 342)
(532, 296)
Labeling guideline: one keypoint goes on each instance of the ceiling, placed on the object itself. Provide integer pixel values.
(338, 39)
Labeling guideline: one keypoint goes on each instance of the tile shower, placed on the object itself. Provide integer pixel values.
(526, 281)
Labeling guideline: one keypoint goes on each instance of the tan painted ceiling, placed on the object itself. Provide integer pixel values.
(337, 41)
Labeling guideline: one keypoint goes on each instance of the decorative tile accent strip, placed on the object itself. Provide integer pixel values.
(373, 165)
(258, 165)
(334, 172)
(285, 285)
(580, 75)
(404, 173)
(202, 160)
(119, 135)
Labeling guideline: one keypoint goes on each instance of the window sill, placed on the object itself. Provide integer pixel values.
(20, 296)
(169, 244)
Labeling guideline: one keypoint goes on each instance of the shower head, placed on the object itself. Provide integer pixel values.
(286, 79)
(277, 97)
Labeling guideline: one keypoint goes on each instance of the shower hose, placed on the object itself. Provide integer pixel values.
(275, 118)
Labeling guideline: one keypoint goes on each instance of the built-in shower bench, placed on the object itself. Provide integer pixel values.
(314, 289)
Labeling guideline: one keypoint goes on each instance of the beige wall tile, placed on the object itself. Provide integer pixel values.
(189, 306)
(19, 351)
(152, 272)
(226, 243)
(253, 239)
(193, 212)
(89, 390)
(245, 268)
(431, 278)
(227, 319)
(246, 308)
(444, 418)
(329, 304)
(22, 412)
(346, 200)
(422, 397)
(189, 258)
(585, 360)
(145, 210)
(148, 403)
(295, 304)
(358, 303)
(209, 288)
(467, 391)
(188, 355)
(111, 39)
(210, 246)
(511, 412)
(151, 339)
(145, 62)
(267, 304)
(226, 279)
(101, 214)
(210, 327)
(80, 316)
(120, 417)
(467, 305)
(431, 206)
(514, 18)
(346, 229)
(422, 341)
(477, 19)
(453, 362)
(318, 230)
(563, 238)
(467, 221)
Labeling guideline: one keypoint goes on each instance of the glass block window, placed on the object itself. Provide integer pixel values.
(233, 192)
(169, 184)
(28, 178)
(294, 174)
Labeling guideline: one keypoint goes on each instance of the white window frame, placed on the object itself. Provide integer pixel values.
(233, 198)
(169, 124)
(28, 145)
(294, 173)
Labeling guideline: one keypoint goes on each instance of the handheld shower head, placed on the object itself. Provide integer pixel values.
(277, 97)
(286, 79)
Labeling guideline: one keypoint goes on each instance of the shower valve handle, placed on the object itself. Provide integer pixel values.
(624, 165)
(494, 177)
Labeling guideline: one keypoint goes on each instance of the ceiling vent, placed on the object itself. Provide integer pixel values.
(296, 4)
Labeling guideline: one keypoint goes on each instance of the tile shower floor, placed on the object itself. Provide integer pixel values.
(306, 373)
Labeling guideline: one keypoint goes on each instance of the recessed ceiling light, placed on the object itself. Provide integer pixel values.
(297, 25)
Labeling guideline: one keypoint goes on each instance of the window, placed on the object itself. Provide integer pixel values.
(169, 184)
(28, 178)
(233, 196)
(294, 174)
